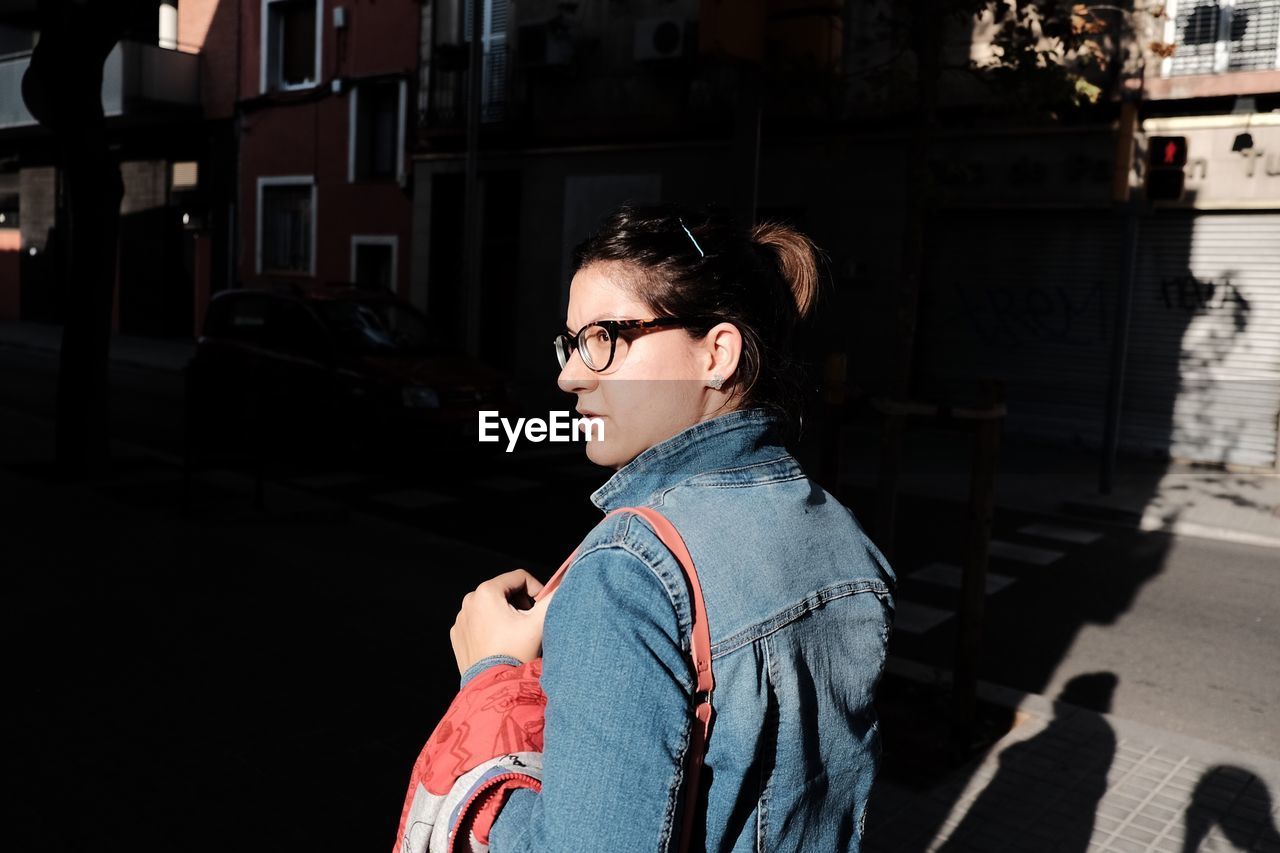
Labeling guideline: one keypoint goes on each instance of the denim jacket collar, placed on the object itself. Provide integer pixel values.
(737, 438)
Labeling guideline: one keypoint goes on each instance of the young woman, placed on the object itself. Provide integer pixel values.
(677, 338)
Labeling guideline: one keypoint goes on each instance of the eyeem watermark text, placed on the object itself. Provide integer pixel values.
(561, 426)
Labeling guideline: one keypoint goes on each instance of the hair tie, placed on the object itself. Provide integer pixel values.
(691, 237)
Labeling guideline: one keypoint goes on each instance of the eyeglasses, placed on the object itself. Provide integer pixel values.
(598, 341)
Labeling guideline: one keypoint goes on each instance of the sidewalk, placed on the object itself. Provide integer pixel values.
(1057, 480)
(1072, 780)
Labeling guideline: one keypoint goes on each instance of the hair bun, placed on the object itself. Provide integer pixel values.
(797, 259)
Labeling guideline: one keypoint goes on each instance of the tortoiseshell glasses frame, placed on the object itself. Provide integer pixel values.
(598, 341)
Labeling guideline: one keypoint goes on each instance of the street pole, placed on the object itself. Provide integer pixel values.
(1129, 208)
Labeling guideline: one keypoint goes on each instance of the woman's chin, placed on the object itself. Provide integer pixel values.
(598, 453)
(605, 454)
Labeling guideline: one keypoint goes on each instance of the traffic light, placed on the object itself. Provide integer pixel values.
(1166, 155)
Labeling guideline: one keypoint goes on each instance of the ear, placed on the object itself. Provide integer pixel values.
(723, 349)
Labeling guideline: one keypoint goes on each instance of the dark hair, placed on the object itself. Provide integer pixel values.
(763, 279)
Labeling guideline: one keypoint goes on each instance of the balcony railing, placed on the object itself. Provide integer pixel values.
(447, 100)
(1219, 37)
(137, 79)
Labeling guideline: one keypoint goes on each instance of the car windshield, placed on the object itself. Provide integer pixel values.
(377, 329)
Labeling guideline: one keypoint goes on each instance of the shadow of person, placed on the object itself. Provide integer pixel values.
(1047, 788)
(1236, 801)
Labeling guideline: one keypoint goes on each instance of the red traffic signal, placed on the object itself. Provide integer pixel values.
(1166, 155)
(1167, 151)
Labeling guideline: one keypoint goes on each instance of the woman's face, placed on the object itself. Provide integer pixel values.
(657, 385)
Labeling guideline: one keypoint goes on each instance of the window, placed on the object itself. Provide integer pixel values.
(493, 43)
(376, 137)
(186, 175)
(290, 43)
(1227, 35)
(373, 262)
(286, 225)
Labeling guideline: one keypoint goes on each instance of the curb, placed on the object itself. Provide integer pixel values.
(1153, 522)
(1148, 521)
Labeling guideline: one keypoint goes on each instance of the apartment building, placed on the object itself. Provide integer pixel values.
(323, 100)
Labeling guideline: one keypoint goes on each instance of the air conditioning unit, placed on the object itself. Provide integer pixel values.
(663, 38)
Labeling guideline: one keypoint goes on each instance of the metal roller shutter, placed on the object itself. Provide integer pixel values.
(1203, 378)
(1026, 297)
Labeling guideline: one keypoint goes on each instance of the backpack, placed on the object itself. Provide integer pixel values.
(489, 742)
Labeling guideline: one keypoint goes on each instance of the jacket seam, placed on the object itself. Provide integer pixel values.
(780, 620)
(736, 468)
(766, 774)
(673, 791)
(784, 457)
(683, 626)
(659, 497)
(619, 541)
(787, 479)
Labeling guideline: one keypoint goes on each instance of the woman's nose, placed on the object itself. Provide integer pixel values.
(575, 377)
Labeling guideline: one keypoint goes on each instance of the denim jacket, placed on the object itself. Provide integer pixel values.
(799, 603)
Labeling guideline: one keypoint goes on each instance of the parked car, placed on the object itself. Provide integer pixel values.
(304, 366)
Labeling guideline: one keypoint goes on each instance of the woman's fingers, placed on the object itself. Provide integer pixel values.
(500, 617)
(517, 581)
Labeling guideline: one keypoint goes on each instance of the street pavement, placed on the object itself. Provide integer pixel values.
(285, 661)
(1070, 780)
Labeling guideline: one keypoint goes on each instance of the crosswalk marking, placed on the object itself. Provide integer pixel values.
(1074, 535)
(413, 499)
(1024, 553)
(950, 575)
(914, 618)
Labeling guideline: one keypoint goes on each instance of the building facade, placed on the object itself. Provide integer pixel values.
(1029, 274)
(323, 97)
(1053, 293)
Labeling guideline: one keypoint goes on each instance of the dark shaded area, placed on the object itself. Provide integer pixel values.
(1054, 813)
(62, 89)
(1238, 802)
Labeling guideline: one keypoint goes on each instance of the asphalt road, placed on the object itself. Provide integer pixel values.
(1190, 628)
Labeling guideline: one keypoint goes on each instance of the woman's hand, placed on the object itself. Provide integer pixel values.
(500, 618)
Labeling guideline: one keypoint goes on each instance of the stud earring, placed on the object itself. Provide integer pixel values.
(716, 381)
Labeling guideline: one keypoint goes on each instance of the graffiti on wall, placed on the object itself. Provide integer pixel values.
(1005, 315)
(1187, 293)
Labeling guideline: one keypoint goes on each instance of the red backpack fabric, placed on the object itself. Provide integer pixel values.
(489, 742)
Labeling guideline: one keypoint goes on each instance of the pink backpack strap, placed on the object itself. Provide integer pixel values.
(700, 644)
